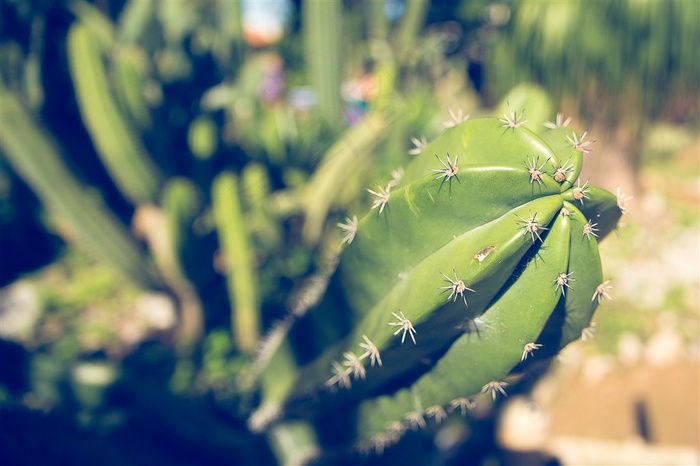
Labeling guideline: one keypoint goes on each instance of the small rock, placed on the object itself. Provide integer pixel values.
(630, 349)
(523, 425)
(19, 311)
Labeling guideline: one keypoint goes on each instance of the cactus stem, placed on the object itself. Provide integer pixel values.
(528, 349)
(494, 387)
(534, 171)
(371, 350)
(404, 326)
(457, 288)
(579, 143)
(455, 119)
(382, 197)
(512, 120)
(464, 405)
(562, 281)
(589, 229)
(581, 192)
(601, 292)
(349, 229)
(559, 122)
(419, 145)
(531, 226)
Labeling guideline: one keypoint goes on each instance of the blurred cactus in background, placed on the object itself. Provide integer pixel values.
(630, 48)
(342, 265)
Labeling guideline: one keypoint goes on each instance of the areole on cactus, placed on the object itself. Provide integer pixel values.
(483, 257)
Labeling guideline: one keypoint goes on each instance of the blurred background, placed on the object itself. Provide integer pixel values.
(147, 146)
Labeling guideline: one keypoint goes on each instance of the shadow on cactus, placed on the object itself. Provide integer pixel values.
(482, 259)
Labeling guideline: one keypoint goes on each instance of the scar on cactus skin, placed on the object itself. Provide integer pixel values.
(482, 254)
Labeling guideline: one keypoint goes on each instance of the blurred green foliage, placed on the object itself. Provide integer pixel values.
(121, 116)
(618, 62)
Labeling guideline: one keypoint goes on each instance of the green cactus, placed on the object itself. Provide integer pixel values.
(81, 214)
(241, 275)
(116, 142)
(323, 29)
(485, 252)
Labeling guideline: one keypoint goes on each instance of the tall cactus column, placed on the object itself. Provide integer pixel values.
(234, 242)
(324, 55)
